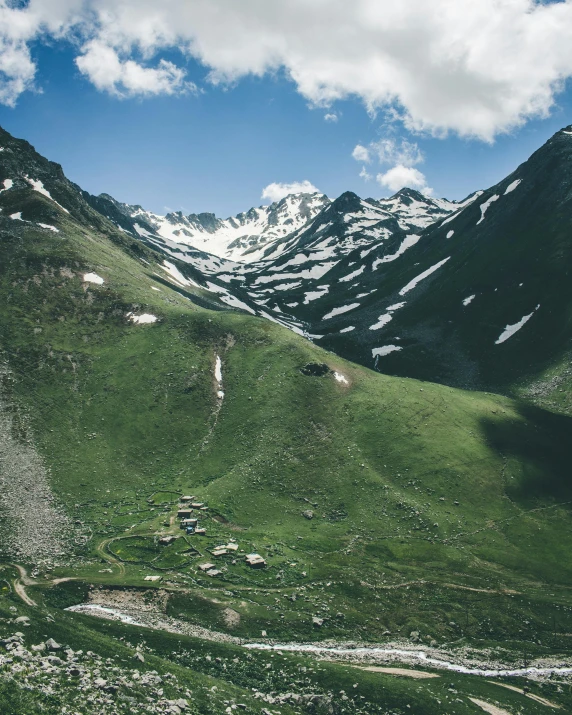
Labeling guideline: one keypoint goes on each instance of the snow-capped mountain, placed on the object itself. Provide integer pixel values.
(245, 237)
(478, 297)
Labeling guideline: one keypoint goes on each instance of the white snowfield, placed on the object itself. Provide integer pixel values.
(512, 186)
(17, 216)
(49, 227)
(385, 350)
(348, 329)
(468, 300)
(218, 377)
(381, 321)
(407, 242)
(142, 319)
(8, 184)
(92, 278)
(244, 237)
(177, 276)
(352, 275)
(340, 310)
(411, 285)
(38, 186)
(315, 294)
(485, 205)
(510, 330)
(341, 378)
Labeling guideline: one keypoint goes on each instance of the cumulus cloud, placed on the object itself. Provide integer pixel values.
(474, 68)
(331, 117)
(399, 176)
(403, 154)
(108, 72)
(361, 153)
(275, 191)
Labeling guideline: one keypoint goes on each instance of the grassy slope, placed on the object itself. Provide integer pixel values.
(217, 673)
(120, 411)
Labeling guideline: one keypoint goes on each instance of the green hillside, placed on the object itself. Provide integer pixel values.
(406, 480)
(386, 508)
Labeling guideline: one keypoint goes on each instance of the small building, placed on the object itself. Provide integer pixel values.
(183, 500)
(190, 530)
(206, 567)
(166, 540)
(231, 547)
(197, 504)
(214, 572)
(220, 551)
(189, 522)
(255, 561)
(200, 532)
(184, 513)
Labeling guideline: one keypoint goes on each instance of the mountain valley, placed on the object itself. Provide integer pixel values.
(372, 395)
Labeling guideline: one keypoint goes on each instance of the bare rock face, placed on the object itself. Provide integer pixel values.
(52, 645)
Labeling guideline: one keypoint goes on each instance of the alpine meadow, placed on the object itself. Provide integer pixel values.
(310, 458)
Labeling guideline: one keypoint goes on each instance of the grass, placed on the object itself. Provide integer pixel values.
(217, 672)
(420, 492)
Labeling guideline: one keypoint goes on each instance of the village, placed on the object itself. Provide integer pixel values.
(190, 514)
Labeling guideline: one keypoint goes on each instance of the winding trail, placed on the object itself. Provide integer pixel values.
(24, 580)
(102, 549)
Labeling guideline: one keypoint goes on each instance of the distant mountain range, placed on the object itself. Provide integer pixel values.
(472, 293)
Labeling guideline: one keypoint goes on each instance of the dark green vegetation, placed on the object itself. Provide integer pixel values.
(428, 509)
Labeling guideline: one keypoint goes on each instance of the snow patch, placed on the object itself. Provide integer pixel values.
(38, 186)
(17, 216)
(92, 278)
(385, 350)
(49, 227)
(142, 319)
(348, 329)
(407, 242)
(315, 294)
(340, 310)
(177, 276)
(382, 320)
(450, 233)
(468, 300)
(510, 330)
(512, 187)
(349, 277)
(411, 285)
(8, 184)
(218, 377)
(484, 206)
(341, 378)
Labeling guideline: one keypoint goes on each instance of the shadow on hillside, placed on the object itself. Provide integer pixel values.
(542, 444)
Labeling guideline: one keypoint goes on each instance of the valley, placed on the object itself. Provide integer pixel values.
(396, 506)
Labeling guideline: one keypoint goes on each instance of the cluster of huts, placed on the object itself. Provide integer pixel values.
(188, 512)
(185, 513)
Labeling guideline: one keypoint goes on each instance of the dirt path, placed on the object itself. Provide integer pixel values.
(22, 581)
(538, 699)
(488, 708)
(405, 672)
(102, 549)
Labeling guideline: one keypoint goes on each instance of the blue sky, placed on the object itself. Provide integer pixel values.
(217, 148)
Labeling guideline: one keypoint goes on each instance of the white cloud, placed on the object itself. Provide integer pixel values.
(390, 151)
(474, 68)
(331, 117)
(361, 153)
(275, 191)
(365, 175)
(102, 65)
(400, 176)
